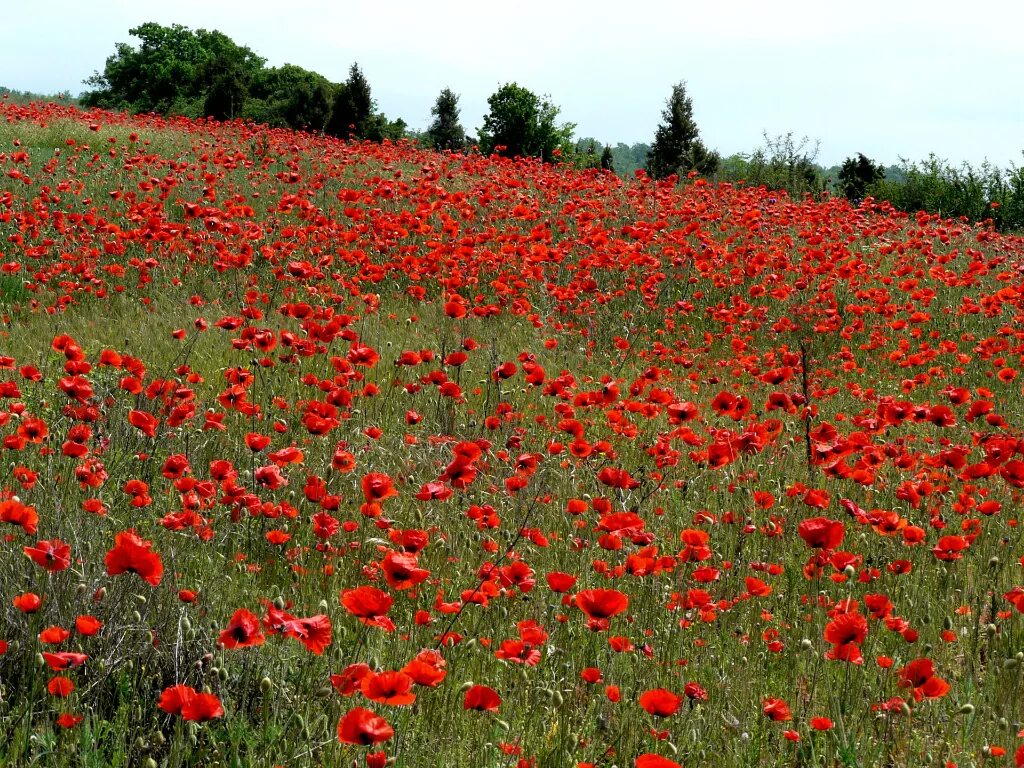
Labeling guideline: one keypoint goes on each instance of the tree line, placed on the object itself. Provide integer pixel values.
(201, 73)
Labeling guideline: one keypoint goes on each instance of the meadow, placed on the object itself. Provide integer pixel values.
(344, 453)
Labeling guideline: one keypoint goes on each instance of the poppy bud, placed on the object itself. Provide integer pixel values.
(465, 686)
(966, 709)
(806, 645)
(991, 629)
(222, 674)
(993, 562)
(159, 739)
(150, 763)
(266, 686)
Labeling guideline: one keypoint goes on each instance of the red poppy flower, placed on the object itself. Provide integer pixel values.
(13, 511)
(173, 698)
(660, 702)
(201, 707)
(617, 478)
(313, 632)
(363, 727)
(425, 673)
(601, 603)
(131, 554)
(61, 661)
(846, 632)
(377, 487)
(61, 687)
(776, 709)
(821, 533)
(392, 688)
(243, 631)
(370, 605)
(919, 674)
(651, 760)
(54, 635)
(144, 421)
(560, 582)
(52, 555)
(481, 698)
(950, 548)
(695, 692)
(67, 720)
(27, 602)
(401, 571)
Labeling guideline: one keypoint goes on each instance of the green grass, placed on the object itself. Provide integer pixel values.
(280, 707)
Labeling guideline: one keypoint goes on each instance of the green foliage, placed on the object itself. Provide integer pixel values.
(14, 96)
(781, 163)
(520, 123)
(174, 70)
(977, 194)
(585, 154)
(446, 132)
(857, 174)
(677, 146)
(629, 158)
(353, 110)
(607, 160)
(290, 96)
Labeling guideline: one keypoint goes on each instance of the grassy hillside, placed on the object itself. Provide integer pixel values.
(309, 443)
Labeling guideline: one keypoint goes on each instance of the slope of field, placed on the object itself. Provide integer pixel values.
(318, 452)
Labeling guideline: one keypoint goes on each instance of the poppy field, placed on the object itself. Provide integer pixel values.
(337, 453)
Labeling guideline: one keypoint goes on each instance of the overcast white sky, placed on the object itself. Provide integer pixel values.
(889, 78)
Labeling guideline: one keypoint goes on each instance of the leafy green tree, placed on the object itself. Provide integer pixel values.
(226, 95)
(172, 71)
(291, 97)
(353, 108)
(677, 146)
(521, 123)
(378, 127)
(446, 132)
(781, 163)
(857, 174)
(628, 158)
(607, 160)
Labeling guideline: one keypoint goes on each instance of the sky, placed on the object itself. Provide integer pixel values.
(892, 79)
